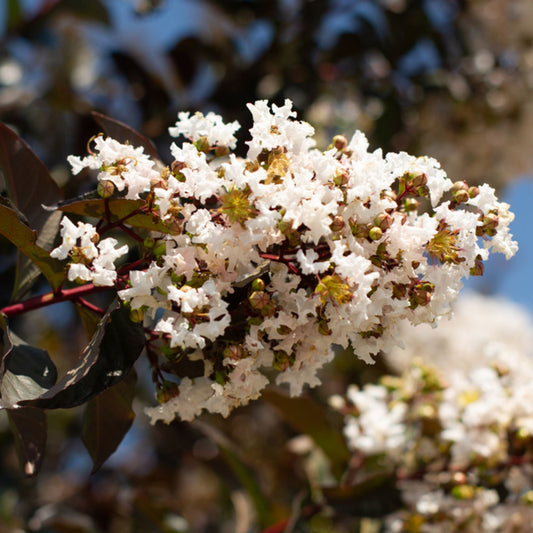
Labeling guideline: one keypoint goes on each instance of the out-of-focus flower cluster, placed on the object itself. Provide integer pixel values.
(459, 441)
(272, 258)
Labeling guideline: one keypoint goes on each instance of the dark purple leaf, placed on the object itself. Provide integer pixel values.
(107, 419)
(28, 425)
(29, 186)
(124, 134)
(107, 359)
(28, 182)
(373, 497)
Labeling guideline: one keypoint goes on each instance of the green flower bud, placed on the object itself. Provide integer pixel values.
(259, 299)
(258, 284)
(383, 221)
(105, 188)
(375, 233)
(473, 192)
(202, 145)
(137, 315)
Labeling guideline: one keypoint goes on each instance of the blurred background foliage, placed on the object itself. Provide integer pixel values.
(447, 78)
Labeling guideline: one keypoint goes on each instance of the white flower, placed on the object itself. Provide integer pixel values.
(212, 127)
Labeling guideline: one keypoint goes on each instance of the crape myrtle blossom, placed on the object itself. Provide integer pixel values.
(271, 259)
(91, 259)
(456, 427)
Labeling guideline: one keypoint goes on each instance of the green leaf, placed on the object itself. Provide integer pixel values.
(124, 134)
(111, 353)
(309, 417)
(118, 209)
(25, 371)
(107, 419)
(25, 239)
(29, 429)
(29, 186)
(27, 271)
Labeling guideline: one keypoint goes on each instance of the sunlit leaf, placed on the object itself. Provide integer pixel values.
(25, 239)
(27, 271)
(124, 134)
(26, 372)
(107, 419)
(28, 425)
(121, 209)
(114, 348)
(309, 417)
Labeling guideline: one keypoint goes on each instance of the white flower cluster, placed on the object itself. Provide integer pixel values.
(91, 259)
(275, 257)
(460, 446)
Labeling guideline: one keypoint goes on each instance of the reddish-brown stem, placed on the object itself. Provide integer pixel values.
(280, 259)
(90, 306)
(131, 266)
(118, 223)
(50, 298)
(131, 233)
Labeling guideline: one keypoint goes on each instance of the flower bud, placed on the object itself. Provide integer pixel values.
(383, 221)
(473, 192)
(410, 204)
(461, 196)
(202, 144)
(234, 351)
(339, 142)
(341, 178)
(258, 284)
(137, 315)
(459, 186)
(259, 299)
(418, 180)
(282, 360)
(375, 233)
(221, 151)
(105, 188)
(337, 224)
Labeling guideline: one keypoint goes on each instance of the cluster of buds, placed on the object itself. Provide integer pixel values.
(268, 261)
